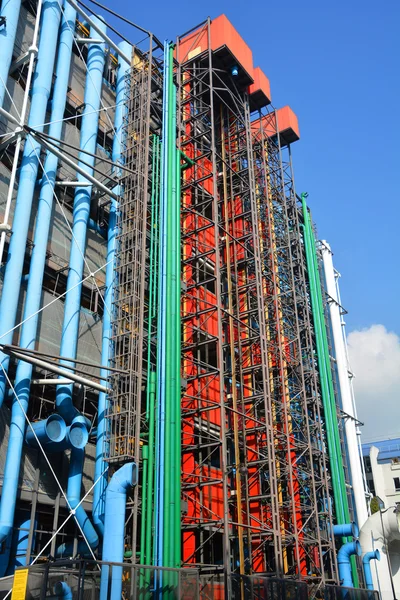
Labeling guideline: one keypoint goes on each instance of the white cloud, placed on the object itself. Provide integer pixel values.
(374, 355)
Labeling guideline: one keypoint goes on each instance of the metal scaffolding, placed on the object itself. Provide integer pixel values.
(255, 476)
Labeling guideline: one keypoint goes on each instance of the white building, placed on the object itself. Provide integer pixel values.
(382, 468)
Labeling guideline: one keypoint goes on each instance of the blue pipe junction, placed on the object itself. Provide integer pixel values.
(344, 565)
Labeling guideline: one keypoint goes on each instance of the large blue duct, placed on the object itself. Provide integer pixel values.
(10, 12)
(16, 255)
(374, 555)
(28, 174)
(88, 142)
(20, 543)
(76, 462)
(114, 528)
(100, 472)
(346, 530)
(343, 560)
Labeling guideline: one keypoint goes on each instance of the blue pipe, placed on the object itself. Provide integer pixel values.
(74, 497)
(10, 12)
(20, 545)
(88, 142)
(161, 324)
(45, 205)
(28, 173)
(114, 527)
(375, 555)
(100, 471)
(346, 530)
(97, 228)
(343, 560)
(74, 436)
(49, 431)
(16, 254)
(62, 591)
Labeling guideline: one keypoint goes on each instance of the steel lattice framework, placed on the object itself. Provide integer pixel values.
(255, 472)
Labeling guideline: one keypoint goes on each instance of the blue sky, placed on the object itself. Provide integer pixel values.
(336, 64)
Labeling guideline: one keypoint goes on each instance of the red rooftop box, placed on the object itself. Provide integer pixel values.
(283, 119)
(222, 34)
(260, 90)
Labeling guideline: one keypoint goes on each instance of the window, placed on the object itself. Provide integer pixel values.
(396, 481)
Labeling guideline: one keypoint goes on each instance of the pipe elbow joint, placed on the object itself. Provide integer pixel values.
(368, 556)
(123, 479)
(347, 550)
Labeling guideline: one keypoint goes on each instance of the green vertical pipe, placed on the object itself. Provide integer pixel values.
(149, 512)
(145, 457)
(344, 517)
(170, 430)
(178, 451)
(322, 370)
(324, 364)
(343, 514)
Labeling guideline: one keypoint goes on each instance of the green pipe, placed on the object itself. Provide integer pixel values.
(343, 510)
(322, 372)
(145, 457)
(343, 515)
(170, 358)
(151, 375)
(178, 451)
(151, 267)
(327, 390)
(149, 512)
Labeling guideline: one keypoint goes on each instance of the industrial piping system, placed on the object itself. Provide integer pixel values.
(27, 181)
(161, 457)
(88, 141)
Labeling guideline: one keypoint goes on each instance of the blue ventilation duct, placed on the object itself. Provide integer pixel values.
(88, 142)
(20, 543)
(375, 555)
(76, 462)
(114, 528)
(9, 13)
(346, 530)
(343, 560)
(49, 432)
(100, 472)
(27, 180)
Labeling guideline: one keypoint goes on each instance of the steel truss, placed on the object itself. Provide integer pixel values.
(127, 418)
(254, 468)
